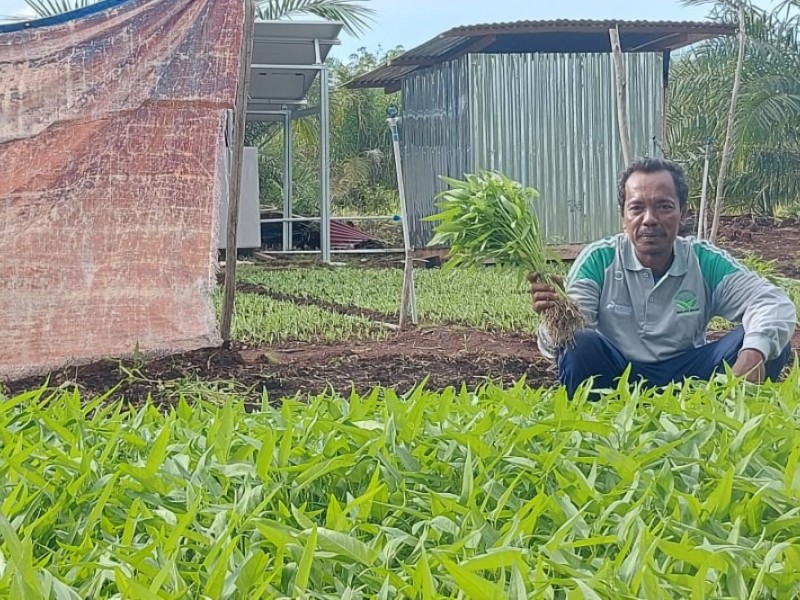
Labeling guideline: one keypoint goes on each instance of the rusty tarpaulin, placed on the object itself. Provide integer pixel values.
(113, 162)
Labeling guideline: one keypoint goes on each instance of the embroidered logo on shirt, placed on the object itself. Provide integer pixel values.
(686, 303)
(620, 309)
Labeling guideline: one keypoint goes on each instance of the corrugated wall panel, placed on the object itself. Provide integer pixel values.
(435, 137)
(549, 121)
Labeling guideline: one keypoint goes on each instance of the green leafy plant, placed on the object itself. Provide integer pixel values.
(689, 491)
(457, 297)
(460, 297)
(489, 217)
(262, 320)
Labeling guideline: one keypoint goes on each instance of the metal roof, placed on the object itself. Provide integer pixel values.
(570, 25)
(287, 56)
(559, 36)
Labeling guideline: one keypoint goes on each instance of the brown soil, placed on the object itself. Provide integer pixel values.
(445, 356)
(770, 241)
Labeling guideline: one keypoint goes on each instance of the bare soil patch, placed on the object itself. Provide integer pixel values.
(442, 357)
(779, 242)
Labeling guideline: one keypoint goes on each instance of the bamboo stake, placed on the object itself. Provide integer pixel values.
(702, 228)
(665, 103)
(235, 183)
(622, 105)
(727, 146)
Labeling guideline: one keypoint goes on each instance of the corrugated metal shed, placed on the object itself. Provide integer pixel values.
(569, 25)
(547, 120)
(435, 137)
(537, 101)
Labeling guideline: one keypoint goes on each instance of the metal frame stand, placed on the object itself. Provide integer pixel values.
(325, 162)
(325, 159)
(285, 105)
(287, 180)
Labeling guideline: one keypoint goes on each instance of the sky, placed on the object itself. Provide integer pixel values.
(409, 23)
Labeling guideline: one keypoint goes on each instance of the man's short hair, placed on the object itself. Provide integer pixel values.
(654, 165)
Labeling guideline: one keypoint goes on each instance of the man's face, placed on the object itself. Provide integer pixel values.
(652, 215)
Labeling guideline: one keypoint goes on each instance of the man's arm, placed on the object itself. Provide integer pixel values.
(765, 311)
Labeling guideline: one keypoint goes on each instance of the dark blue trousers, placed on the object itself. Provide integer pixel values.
(595, 355)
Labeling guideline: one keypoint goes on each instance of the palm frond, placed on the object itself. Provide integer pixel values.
(49, 8)
(790, 9)
(764, 171)
(355, 14)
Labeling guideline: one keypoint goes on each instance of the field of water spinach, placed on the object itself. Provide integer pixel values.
(344, 303)
(689, 492)
(490, 299)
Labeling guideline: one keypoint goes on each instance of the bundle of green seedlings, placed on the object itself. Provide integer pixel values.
(489, 218)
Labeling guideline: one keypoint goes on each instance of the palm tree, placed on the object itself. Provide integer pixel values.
(355, 14)
(764, 171)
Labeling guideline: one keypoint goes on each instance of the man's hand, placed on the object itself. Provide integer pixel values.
(543, 296)
(750, 365)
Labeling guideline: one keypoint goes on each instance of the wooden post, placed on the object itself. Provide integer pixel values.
(665, 101)
(235, 183)
(622, 105)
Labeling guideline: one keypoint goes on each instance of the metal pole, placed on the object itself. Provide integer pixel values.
(270, 66)
(701, 218)
(287, 244)
(408, 298)
(287, 181)
(290, 168)
(252, 112)
(325, 213)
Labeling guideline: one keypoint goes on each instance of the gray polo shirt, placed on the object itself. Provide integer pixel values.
(652, 321)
